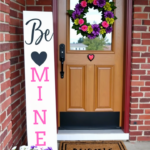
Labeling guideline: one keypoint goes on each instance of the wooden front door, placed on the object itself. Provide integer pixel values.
(91, 86)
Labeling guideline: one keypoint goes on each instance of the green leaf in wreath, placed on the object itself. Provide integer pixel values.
(70, 12)
(107, 0)
(86, 10)
(103, 35)
(100, 9)
(78, 32)
(115, 18)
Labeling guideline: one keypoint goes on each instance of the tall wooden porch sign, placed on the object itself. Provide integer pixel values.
(40, 79)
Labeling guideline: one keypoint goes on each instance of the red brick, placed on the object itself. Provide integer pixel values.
(21, 2)
(5, 85)
(136, 35)
(137, 22)
(138, 72)
(2, 116)
(14, 38)
(147, 111)
(138, 60)
(7, 1)
(147, 9)
(137, 83)
(7, 37)
(1, 78)
(134, 77)
(148, 60)
(1, 37)
(7, 56)
(145, 35)
(147, 94)
(147, 122)
(145, 66)
(48, 8)
(144, 105)
(4, 27)
(133, 116)
(34, 8)
(133, 127)
(145, 78)
(134, 89)
(135, 66)
(136, 41)
(140, 16)
(144, 128)
(144, 116)
(146, 22)
(143, 138)
(1, 57)
(139, 28)
(2, 17)
(16, 81)
(7, 74)
(7, 18)
(8, 92)
(14, 22)
(145, 100)
(4, 66)
(44, 2)
(147, 133)
(29, 2)
(137, 94)
(14, 5)
(145, 42)
(6, 122)
(9, 127)
(137, 9)
(7, 139)
(136, 111)
(140, 2)
(135, 133)
(15, 96)
(5, 104)
(13, 13)
(145, 89)
(4, 8)
(134, 105)
(136, 122)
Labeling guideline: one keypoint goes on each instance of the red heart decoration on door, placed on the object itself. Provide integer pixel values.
(91, 57)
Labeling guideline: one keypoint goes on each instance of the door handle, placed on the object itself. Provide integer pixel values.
(62, 59)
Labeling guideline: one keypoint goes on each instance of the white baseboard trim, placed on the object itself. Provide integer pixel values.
(75, 135)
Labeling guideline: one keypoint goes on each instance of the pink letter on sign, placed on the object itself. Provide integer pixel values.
(46, 74)
(40, 99)
(37, 113)
(38, 138)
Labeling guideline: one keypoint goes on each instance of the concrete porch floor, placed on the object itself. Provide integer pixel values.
(135, 145)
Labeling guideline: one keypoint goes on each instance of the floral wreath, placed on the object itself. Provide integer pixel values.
(86, 29)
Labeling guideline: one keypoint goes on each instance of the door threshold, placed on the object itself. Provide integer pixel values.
(75, 135)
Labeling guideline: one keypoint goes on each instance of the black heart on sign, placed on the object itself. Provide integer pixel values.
(39, 59)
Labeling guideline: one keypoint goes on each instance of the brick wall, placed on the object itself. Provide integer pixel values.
(17, 72)
(39, 5)
(12, 90)
(140, 84)
(5, 91)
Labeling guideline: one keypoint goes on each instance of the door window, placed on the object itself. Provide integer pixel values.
(77, 42)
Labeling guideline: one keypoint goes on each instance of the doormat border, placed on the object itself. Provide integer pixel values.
(64, 143)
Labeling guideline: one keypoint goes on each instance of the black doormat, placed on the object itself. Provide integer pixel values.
(92, 145)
